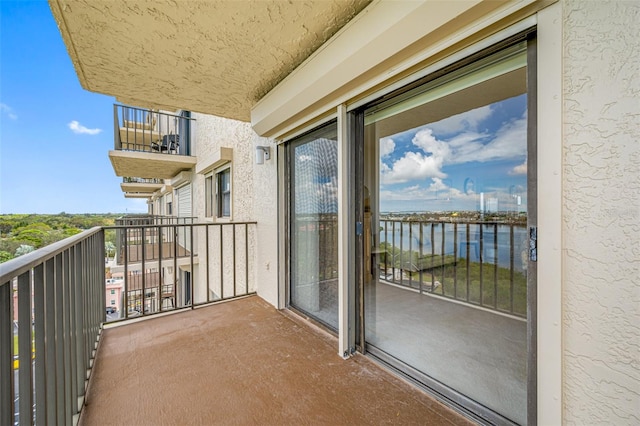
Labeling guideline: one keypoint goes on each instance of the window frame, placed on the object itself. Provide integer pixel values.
(209, 195)
(220, 193)
(289, 243)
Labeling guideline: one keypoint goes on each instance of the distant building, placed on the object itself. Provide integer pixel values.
(113, 293)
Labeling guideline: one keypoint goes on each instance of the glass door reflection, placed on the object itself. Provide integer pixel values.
(446, 231)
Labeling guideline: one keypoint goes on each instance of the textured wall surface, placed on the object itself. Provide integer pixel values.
(266, 208)
(601, 283)
(217, 57)
(254, 197)
(212, 133)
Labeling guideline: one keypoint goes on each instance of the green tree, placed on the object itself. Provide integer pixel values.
(5, 255)
(36, 235)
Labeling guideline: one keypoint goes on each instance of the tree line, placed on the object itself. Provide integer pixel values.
(23, 233)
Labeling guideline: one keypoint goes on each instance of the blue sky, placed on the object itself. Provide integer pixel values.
(54, 135)
(444, 166)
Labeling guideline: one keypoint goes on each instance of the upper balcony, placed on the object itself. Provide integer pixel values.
(135, 187)
(150, 144)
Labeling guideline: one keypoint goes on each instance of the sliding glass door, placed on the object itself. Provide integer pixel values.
(446, 184)
(312, 162)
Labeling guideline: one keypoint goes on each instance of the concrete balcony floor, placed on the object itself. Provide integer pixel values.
(244, 362)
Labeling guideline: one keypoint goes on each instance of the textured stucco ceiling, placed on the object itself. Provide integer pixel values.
(215, 57)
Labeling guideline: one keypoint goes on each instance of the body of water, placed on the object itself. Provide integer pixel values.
(449, 238)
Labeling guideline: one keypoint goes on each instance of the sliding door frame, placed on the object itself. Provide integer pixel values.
(460, 402)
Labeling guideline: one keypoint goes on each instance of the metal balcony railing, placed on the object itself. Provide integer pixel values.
(143, 130)
(52, 303)
(168, 266)
(141, 180)
(51, 311)
(138, 234)
(478, 263)
(150, 219)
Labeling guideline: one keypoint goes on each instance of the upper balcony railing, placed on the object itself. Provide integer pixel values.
(138, 232)
(142, 180)
(150, 219)
(143, 130)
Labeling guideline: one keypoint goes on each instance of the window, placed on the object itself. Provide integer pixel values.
(113, 302)
(113, 292)
(169, 208)
(218, 193)
(223, 198)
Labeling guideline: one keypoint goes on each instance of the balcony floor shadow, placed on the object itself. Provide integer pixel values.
(244, 362)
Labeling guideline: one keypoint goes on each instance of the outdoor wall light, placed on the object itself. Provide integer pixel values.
(262, 153)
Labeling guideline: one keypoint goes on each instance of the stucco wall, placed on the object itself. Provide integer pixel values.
(266, 207)
(601, 293)
(254, 197)
(211, 134)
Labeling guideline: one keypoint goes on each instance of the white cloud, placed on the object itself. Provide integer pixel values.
(425, 140)
(387, 145)
(510, 141)
(416, 165)
(413, 166)
(80, 129)
(437, 185)
(467, 120)
(8, 110)
(520, 169)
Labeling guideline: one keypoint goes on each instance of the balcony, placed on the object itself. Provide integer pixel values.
(243, 362)
(150, 144)
(192, 362)
(139, 187)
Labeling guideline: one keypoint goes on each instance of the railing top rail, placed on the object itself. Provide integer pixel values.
(153, 216)
(22, 264)
(153, 111)
(131, 179)
(460, 222)
(175, 225)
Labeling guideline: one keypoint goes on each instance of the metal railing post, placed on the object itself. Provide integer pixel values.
(143, 271)
(233, 232)
(221, 263)
(207, 260)
(60, 368)
(39, 336)
(246, 257)
(192, 281)
(50, 345)
(6, 353)
(25, 391)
